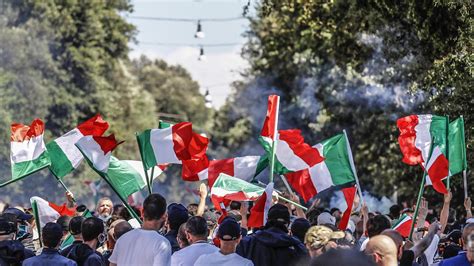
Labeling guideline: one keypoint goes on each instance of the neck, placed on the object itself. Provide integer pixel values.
(227, 249)
(196, 239)
(151, 225)
(77, 237)
(92, 243)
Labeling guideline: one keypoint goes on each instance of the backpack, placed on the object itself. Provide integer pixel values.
(11, 253)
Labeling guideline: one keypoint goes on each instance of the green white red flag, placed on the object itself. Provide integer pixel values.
(50, 212)
(98, 151)
(231, 188)
(65, 157)
(349, 195)
(171, 145)
(334, 170)
(420, 134)
(457, 147)
(403, 225)
(28, 152)
(259, 212)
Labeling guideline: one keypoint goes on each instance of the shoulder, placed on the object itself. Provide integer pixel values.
(202, 260)
(460, 259)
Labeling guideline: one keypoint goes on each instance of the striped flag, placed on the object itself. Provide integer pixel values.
(259, 212)
(403, 225)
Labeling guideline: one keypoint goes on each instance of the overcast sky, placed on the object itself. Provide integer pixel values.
(223, 64)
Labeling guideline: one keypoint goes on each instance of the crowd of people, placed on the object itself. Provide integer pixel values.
(197, 234)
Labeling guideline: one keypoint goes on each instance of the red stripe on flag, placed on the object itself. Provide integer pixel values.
(437, 172)
(63, 210)
(21, 132)
(191, 168)
(269, 125)
(108, 143)
(95, 126)
(303, 150)
(349, 194)
(406, 140)
(217, 167)
(301, 182)
(257, 213)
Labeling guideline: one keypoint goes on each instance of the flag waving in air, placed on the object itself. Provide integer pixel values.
(259, 212)
(457, 147)
(420, 134)
(28, 151)
(98, 150)
(335, 169)
(65, 157)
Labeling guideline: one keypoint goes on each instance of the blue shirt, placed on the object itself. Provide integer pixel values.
(51, 257)
(459, 260)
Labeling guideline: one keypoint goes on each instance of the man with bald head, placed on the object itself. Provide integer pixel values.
(383, 250)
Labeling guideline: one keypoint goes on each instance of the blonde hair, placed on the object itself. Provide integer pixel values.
(320, 235)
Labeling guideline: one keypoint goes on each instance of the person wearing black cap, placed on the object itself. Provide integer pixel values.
(51, 235)
(25, 231)
(272, 245)
(75, 230)
(177, 215)
(12, 251)
(230, 235)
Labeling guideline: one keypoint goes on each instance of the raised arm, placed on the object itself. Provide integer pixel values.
(467, 206)
(425, 242)
(445, 211)
(299, 211)
(202, 199)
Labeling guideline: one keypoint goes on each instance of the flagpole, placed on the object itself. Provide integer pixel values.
(420, 193)
(63, 185)
(151, 179)
(447, 150)
(274, 144)
(148, 183)
(34, 206)
(283, 178)
(351, 162)
(294, 203)
(464, 172)
(464, 178)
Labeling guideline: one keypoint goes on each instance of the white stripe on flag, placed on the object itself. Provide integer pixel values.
(423, 135)
(27, 150)
(66, 143)
(245, 167)
(319, 173)
(268, 201)
(288, 158)
(94, 153)
(163, 147)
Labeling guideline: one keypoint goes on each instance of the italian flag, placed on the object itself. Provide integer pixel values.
(49, 212)
(403, 225)
(335, 169)
(457, 147)
(28, 152)
(245, 168)
(349, 195)
(420, 134)
(259, 212)
(171, 145)
(228, 188)
(98, 151)
(65, 157)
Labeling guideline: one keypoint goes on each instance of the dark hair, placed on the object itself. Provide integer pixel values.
(377, 224)
(235, 205)
(192, 209)
(121, 228)
(197, 226)
(395, 211)
(341, 256)
(154, 207)
(117, 209)
(51, 234)
(125, 214)
(91, 228)
(333, 210)
(64, 221)
(299, 227)
(75, 225)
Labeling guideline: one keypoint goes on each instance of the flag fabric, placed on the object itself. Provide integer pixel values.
(98, 150)
(335, 169)
(349, 195)
(403, 225)
(171, 145)
(269, 129)
(457, 147)
(231, 188)
(65, 157)
(245, 168)
(259, 212)
(50, 212)
(420, 134)
(292, 153)
(28, 152)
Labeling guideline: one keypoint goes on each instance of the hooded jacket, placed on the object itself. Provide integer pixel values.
(272, 246)
(12, 252)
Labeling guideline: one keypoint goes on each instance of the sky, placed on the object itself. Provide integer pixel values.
(222, 65)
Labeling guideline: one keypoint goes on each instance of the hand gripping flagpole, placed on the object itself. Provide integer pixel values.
(351, 162)
(420, 193)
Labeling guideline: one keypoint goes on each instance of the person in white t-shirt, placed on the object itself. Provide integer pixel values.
(145, 246)
(230, 235)
(196, 233)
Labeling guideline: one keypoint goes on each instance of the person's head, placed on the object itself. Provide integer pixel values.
(229, 234)
(120, 228)
(299, 227)
(377, 224)
(394, 211)
(104, 207)
(336, 213)
(326, 218)
(93, 231)
(51, 235)
(321, 238)
(312, 216)
(211, 220)
(397, 239)
(278, 216)
(196, 229)
(235, 205)
(342, 257)
(182, 239)
(8, 227)
(154, 210)
(177, 215)
(117, 209)
(468, 241)
(75, 226)
(382, 249)
(63, 221)
(192, 209)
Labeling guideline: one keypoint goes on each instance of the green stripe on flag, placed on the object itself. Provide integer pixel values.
(278, 167)
(60, 164)
(457, 146)
(438, 131)
(124, 177)
(23, 169)
(146, 150)
(336, 158)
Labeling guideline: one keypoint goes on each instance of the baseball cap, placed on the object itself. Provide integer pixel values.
(20, 215)
(279, 212)
(177, 214)
(326, 218)
(7, 224)
(229, 229)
